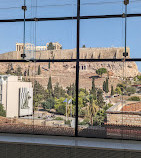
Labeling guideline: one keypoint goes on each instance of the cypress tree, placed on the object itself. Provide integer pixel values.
(104, 86)
(49, 87)
(73, 90)
(18, 72)
(39, 70)
(93, 90)
(112, 90)
(100, 100)
(28, 72)
(57, 91)
(49, 65)
(107, 86)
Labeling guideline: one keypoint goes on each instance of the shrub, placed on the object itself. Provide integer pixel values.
(131, 90)
(49, 104)
(58, 118)
(2, 111)
(101, 71)
(134, 98)
(67, 122)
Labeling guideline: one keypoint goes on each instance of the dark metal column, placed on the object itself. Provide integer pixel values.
(24, 8)
(77, 67)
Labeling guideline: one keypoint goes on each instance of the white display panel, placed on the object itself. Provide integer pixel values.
(25, 101)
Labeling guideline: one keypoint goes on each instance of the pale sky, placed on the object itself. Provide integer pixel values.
(93, 33)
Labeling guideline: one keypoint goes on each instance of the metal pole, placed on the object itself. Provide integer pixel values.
(66, 110)
(125, 28)
(77, 68)
(24, 29)
(24, 8)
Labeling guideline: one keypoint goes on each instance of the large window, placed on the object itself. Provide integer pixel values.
(71, 68)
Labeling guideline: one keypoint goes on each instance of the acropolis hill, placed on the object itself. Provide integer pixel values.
(85, 53)
(64, 73)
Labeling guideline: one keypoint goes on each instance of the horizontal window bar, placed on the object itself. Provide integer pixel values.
(72, 18)
(71, 60)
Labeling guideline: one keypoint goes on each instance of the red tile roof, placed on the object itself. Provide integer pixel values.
(133, 107)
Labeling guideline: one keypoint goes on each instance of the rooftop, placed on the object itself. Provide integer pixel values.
(133, 107)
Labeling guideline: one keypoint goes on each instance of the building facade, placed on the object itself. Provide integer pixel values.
(16, 96)
(125, 114)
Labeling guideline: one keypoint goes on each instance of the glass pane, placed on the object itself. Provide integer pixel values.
(100, 7)
(98, 93)
(54, 98)
(109, 100)
(11, 33)
(133, 38)
(50, 40)
(38, 98)
(16, 99)
(53, 8)
(102, 39)
(134, 6)
(11, 9)
(40, 9)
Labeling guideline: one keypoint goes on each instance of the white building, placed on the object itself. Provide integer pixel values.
(16, 96)
(32, 47)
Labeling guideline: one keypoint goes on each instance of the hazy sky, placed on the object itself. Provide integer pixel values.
(93, 33)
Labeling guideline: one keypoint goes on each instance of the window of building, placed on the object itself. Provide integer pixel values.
(54, 96)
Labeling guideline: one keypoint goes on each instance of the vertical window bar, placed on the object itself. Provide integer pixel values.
(24, 9)
(77, 67)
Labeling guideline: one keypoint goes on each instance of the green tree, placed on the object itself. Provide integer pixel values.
(18, 72)
(134, 98)
(92, 109)
(49, 87)
(2, 111)
(59, 91)
(93, 90)
(71, 90)
(49, 104)
(100, 117)
(112, 90)
(10, 69)
(50, 46)
(131, 90)
(101, 71)
(60, 106)
(28, 72)
(84, 97)
(39, 70)
(122, 86)
(106, 86)
(139, 77)
(80, 103)
(37, 99)
(38, 94)
(100, 100)
(83, 46)
(49, 65)
(118, 90)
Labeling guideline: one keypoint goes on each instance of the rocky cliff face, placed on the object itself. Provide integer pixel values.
(85, 53)
(64, 73)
